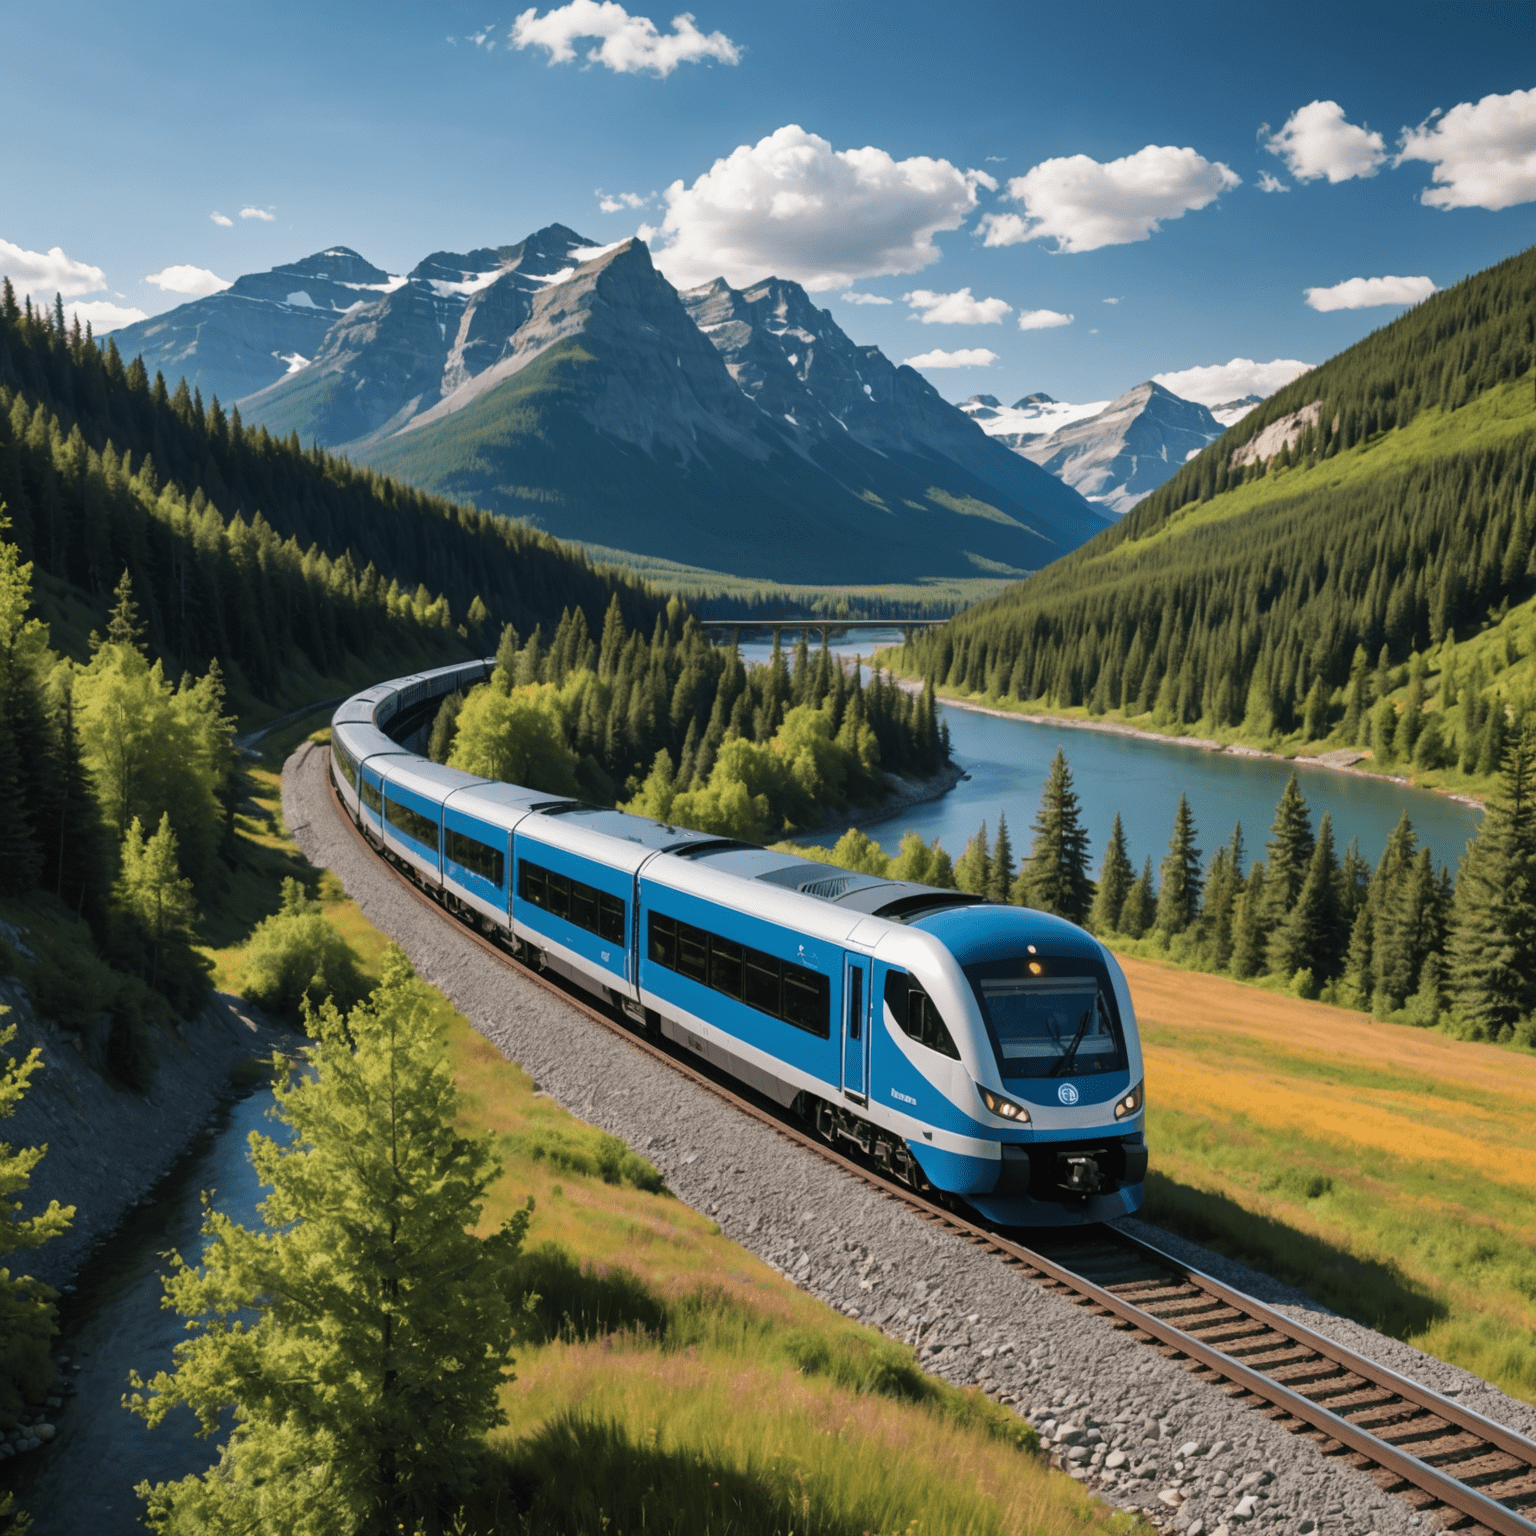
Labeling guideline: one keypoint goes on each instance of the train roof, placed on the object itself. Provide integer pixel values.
(366, 741)
(434, 780)
(985, 931)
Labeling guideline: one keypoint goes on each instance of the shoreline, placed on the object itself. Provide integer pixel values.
(1202, 744)
(907, 794)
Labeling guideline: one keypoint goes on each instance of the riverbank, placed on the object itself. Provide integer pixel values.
(906, 794)
(1342, 760)
(109, 1146)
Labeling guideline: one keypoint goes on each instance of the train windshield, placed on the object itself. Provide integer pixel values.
(1045, 1025)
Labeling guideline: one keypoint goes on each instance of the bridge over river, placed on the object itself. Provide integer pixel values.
(719, 629)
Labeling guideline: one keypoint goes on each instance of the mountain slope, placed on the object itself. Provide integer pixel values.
(387, 361)
(1280, 582)
(267, 324)
(610, 418)
(1129, 448)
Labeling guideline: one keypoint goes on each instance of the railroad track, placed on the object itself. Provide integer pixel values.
(1456, 1468)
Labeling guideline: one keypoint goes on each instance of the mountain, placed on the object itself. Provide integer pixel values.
(263, 326)
(1370, 523)
(738, 431)
(1230, 412)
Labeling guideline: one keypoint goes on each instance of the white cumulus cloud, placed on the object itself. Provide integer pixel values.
(103, 315)
(196, 281)
(222, 219)
(617, 202)
(628, 45)
(1045, 319)
(792, 206)
(862, 298)
(257, 213)
(45, 273)
(1216, 383)
(1084, 204)
(1268, 183)
(1483, 152)
(956, 308)
(1366, 292)
(965, 357)
(1318, 141)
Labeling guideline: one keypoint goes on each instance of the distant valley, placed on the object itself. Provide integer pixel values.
(570, 385)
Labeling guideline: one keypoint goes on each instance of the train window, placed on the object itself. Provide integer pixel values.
(574, 900)
(412, 823)
(917, 1015)
(725, 967)
(793, 993)
(478, 858)
(373, 797)
(345, 762)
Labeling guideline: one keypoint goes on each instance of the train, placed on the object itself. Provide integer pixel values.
(986, 1053)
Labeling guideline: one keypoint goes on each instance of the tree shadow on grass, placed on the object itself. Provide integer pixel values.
(581, 1473)
(1368, 1290)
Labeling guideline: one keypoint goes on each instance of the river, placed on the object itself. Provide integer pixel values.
(1142, 777)
(84, 1480)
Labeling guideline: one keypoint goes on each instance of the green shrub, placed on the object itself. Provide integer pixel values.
(70, 983)
(296, 955)
(576, 1148)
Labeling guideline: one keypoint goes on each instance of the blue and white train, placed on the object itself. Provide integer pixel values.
(988, 1052)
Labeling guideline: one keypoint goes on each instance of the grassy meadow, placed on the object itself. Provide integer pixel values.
(667, 1380)
(1389, 1172)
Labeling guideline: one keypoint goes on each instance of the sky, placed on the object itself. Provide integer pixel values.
(1069, 198)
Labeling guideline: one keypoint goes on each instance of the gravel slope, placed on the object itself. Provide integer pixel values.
(1139, 1427)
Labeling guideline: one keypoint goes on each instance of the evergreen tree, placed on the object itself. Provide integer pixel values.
(445, 725)
(1311, 936)
(1180, 879)
(1056, 878)
(362, 1393)
(26, 1305)
(1000, 875)
(1140, 905)
(1493, 935)
(973, 869)
(123, 626)
(1290, 850)
(1218, 912)
(156, 901)
(1115, 879)
(1249, 930)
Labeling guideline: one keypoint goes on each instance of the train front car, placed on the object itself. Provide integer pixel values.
(1043, 1117)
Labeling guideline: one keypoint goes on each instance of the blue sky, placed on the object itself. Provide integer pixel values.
(367, 126)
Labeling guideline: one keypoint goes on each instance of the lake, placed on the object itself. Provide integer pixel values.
(1142, 778)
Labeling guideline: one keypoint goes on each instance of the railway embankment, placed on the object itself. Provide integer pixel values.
(1132, 1423)
(108, 1146)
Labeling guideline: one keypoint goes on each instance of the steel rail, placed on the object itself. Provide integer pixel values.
(1458, 1496)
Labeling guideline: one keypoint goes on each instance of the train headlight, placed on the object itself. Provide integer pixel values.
(1131, 1102)
(1001, 1106)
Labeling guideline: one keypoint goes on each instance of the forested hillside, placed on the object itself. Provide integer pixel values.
(1316, 573)
(246, 547)
(681, 730)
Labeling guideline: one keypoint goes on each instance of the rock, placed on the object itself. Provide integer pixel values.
(1219, 1449)
(1190, 1448)
(1115, 1460)
(1171, 1497)
(1195, 1528)
(44, 1431)
(1245, 1507)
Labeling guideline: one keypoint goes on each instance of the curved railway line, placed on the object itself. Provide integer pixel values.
(1457, 1469)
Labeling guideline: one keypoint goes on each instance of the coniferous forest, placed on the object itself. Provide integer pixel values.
(1328, 581)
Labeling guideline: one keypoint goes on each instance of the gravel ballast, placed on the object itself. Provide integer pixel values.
(1139, 1428)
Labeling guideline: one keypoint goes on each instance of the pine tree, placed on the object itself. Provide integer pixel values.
(1180, 879)
(1115, 879)
(444, 724)
(1000, 874)
(364, 1389)
(26, 1306)
(973, 869)
(1056, 878)
(1311, 936)
(1249, 931)
(1140, 905)
(157, 899)
(1493, 932)
(123, 626)
(1290, 851)
(1218, 911)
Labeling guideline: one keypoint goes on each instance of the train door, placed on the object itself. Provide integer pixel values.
(856, 969)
